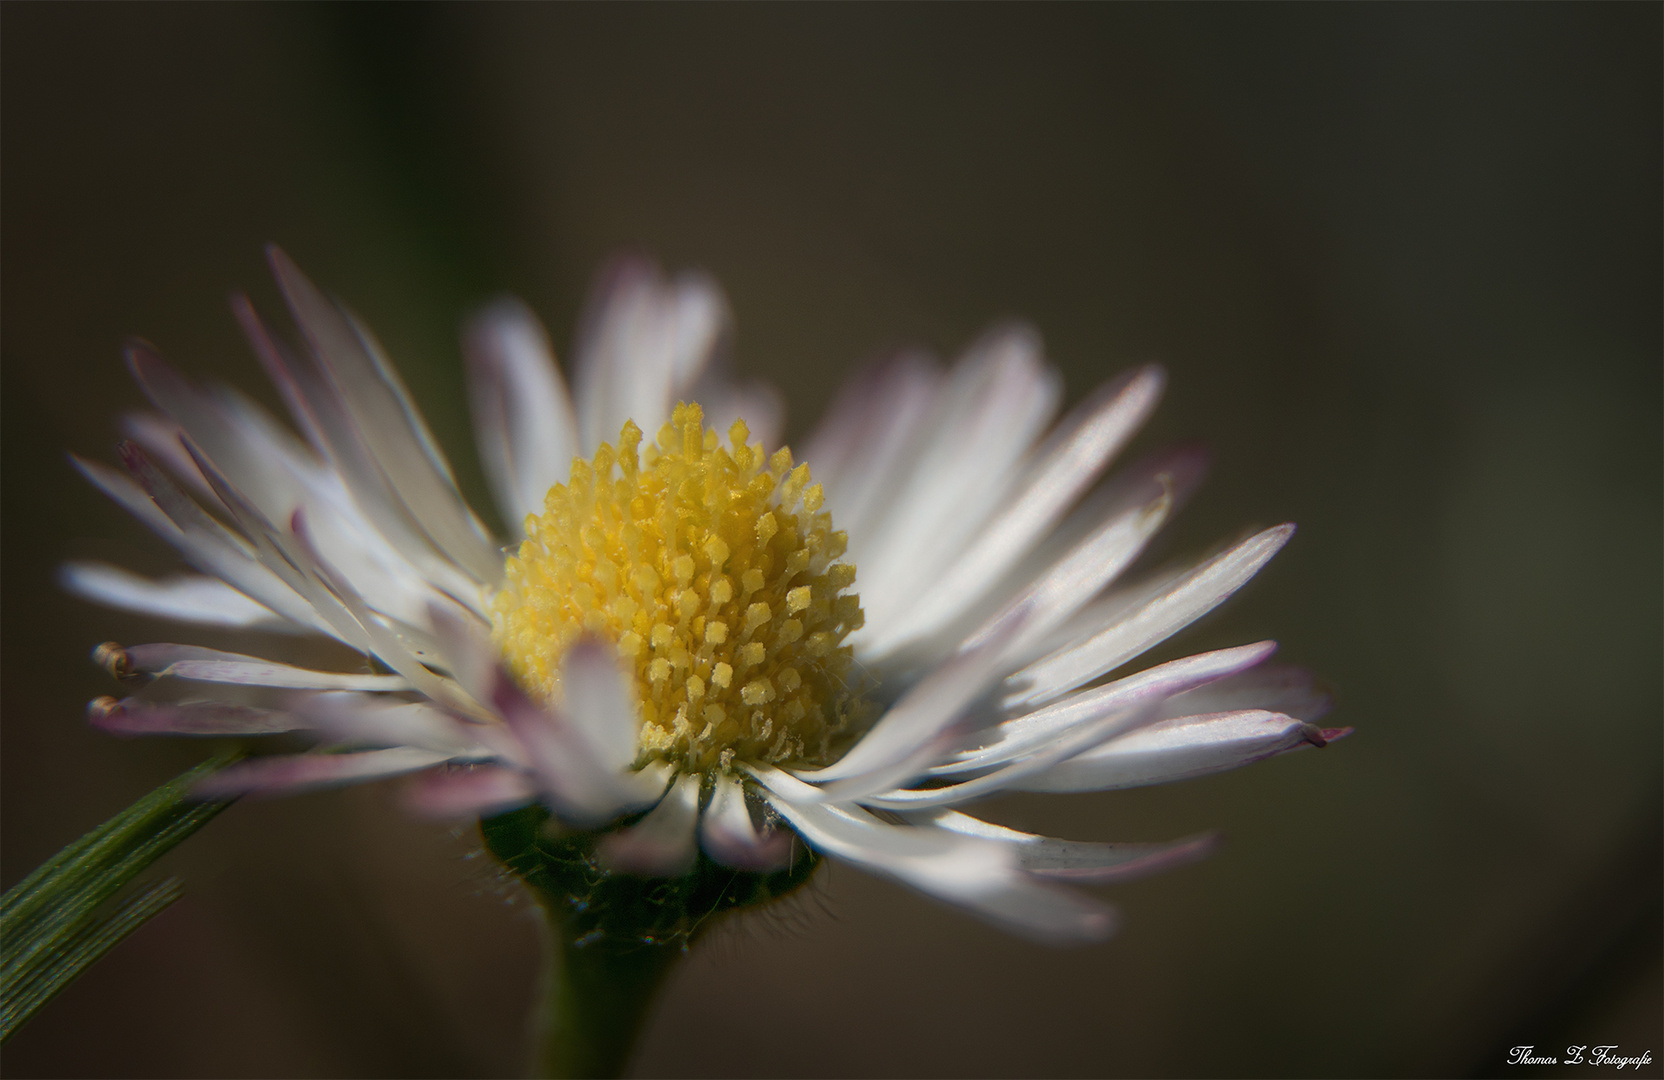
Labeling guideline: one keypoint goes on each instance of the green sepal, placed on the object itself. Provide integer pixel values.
(52, 927)
(616, 935)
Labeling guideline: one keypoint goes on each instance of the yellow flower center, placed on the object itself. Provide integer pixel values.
(712, 570)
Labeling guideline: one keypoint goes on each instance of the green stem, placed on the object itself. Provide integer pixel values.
(613, 937)
(595, 999)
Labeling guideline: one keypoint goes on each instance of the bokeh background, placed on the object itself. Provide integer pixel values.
(1403, 264)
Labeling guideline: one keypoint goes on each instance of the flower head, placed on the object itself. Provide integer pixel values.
(691, 641)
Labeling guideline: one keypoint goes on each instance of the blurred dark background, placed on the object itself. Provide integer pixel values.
(1403, 264)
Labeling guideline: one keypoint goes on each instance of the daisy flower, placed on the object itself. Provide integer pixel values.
(690, 650)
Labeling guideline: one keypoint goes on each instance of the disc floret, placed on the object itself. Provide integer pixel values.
(714, 572)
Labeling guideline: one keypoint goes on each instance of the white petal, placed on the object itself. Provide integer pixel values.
(333, 432)
(333, 602)
(392, 429)
(579, 788)
(278, 476)
(1029, 907)
(523, 418)
(160, 435)
(1062, 573)
(728, 835)
(1102, 536)
(1174, 471)
(278, 556)
(392, 569)
(996, 401)
(187, 598)
(660, 844)
(642, 340)
(1274, 687)
(1194, 595)
(1069, 463)
(358, 719)
(861, 451)
(919, 726)
(1077, 739)
(334, 605)
(971, 872)
(264, 673)
(849, 832)
(210, 665)
(204, 542)
(694, 319)
(126, 492)
(465, 647)
(1077, 860)
(261, 477)
(600, 700)
(301, 388)
(287, 775)
(699, 317)
(1179, 749)
(761, 407)
(287, 482)
(1148, 689)
(784, 784)
(335, 598)
(1069, 584)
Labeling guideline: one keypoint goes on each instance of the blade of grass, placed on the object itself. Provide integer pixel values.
(92, 851)
(50, 928)
(76, 893)
(78, 951)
